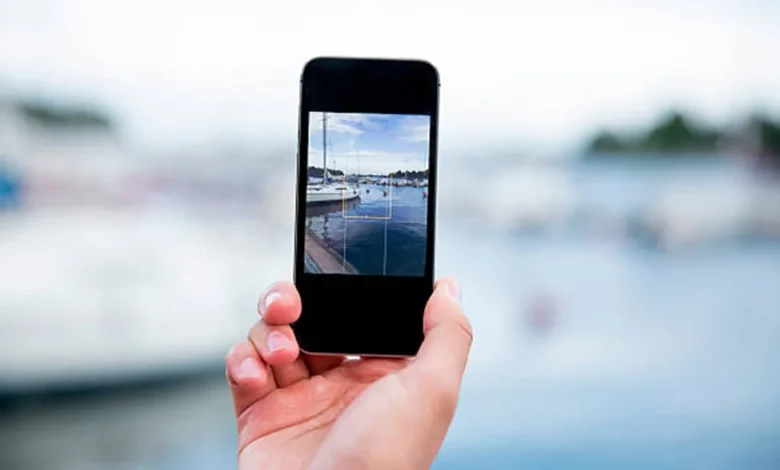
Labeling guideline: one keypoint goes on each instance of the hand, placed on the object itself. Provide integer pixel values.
(297, 411)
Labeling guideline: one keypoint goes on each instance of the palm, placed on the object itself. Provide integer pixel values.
(298, 411)
(287, 427)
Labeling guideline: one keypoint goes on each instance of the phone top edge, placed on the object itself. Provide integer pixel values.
(425, 62)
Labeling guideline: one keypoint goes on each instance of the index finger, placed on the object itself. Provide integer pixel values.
(280, 304)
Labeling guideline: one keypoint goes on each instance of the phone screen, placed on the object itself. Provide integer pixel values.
(367, 194)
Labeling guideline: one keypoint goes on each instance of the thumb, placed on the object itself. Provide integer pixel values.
(444, 353)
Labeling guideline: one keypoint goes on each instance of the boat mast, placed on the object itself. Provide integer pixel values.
(324, 147)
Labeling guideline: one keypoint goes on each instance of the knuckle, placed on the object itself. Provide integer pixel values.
(257, 334)
(464, 325)
(258, 329)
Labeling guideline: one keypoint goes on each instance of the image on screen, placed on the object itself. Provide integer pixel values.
(367, 194)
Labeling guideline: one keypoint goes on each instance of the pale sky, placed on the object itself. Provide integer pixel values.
(375, 144)
(539, 74)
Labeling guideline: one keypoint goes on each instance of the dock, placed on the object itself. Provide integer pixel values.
(320, 258)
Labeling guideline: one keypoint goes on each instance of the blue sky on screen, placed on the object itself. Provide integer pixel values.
(378, 143)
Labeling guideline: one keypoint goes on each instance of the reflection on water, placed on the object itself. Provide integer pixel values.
(333, 209)
(381, 233)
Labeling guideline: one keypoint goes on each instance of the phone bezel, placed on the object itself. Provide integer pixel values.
(359, 314)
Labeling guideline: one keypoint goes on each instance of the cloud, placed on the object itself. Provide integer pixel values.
(344, 123)
(368, 143)
(370, 161)
(416, 129)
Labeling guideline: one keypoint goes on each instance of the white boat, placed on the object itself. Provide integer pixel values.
(329, 191)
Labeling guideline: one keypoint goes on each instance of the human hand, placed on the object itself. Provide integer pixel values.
(298, 411)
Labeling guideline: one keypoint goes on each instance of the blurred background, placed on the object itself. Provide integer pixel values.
(609, 198)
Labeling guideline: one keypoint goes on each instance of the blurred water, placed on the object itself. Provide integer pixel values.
(626, 186)
(656, 360)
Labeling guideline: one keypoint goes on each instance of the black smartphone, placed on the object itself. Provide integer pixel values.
(366, 205)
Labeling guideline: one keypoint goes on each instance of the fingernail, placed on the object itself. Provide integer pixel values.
(278, 341)
(269, 299)
(453, 290)
(249, 369)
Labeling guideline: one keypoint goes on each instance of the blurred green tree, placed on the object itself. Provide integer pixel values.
(56, 116)
(607, 142)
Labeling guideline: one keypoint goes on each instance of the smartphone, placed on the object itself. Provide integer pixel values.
(366, 205)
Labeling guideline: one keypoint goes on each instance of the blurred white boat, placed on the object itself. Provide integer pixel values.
(522, 197)
(91, 296)
(699, 212)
